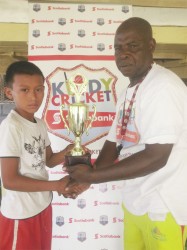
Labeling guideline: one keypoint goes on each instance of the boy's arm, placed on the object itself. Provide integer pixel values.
(13, 180)
(53, 159)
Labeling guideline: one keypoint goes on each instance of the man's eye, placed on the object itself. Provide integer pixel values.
(133, 46)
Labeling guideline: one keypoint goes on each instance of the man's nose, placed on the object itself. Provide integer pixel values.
(124, 53)
(124, 56)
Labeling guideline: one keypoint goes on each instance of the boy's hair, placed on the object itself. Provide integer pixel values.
(20, 68)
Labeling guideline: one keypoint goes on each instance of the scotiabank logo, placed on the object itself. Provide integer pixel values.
(100, 91)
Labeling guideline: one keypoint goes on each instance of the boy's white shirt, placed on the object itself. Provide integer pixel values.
(27, 141)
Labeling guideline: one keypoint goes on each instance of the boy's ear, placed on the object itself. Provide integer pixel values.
(8, 93)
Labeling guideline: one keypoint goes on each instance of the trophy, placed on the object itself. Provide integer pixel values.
(77, 120)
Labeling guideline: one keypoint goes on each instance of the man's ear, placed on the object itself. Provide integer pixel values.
(152, 45)
(8, 93)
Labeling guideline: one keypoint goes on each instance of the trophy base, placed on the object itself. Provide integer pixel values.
(74, 160)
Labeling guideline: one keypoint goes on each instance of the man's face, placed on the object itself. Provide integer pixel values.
(133, 53)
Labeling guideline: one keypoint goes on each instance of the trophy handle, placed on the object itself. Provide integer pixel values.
(91, 119)
(64, 119)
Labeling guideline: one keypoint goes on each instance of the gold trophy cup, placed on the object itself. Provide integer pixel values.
(77, 121)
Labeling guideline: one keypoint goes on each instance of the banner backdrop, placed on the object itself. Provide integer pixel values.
(70, 39)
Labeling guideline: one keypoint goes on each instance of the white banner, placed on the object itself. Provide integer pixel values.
(70, 39)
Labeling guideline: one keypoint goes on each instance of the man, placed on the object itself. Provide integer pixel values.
(150, 128)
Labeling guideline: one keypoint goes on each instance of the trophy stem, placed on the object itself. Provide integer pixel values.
(78, 149)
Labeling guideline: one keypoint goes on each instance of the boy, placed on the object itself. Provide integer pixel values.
(26, 216)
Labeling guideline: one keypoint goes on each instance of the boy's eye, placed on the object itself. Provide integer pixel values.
(40, 89)
(25, 90)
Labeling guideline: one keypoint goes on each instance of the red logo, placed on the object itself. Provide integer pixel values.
(78, 79)
(100, 91)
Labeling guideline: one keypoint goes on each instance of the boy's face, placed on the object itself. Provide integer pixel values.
(27, 92)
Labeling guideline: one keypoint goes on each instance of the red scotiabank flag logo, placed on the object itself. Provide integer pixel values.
(100, 91)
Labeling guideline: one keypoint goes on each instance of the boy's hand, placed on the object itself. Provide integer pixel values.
(71, 189)
(69, 148)
(74, 186)
(62, 186)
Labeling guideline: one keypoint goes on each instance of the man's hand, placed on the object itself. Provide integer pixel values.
(80, 173)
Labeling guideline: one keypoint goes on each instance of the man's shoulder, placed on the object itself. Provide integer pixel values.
(162, 72)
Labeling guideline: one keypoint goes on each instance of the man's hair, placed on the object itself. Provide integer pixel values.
(139, 24)
(20, 68)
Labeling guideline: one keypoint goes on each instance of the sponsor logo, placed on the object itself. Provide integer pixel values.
(100, 46)
(81, 8)
(100, 21)
(100, 91)
(80, 21)
(60, 220)
(102, 9)
(51, 33)
(81, 236)
(115, 21)
(71, 220)
(74, 46)
(60, 203)
(36, 7)
(33, 47)
(62, 21)
(58, 8)
(42, 21)
(116, 220)
(36, 33)
(102, 34)
(81, 203)
(106, 236)
(61, 47)
(61, 236)
(103, 187)
(103, 220)
(81, 33)
(125, 8)
(105, 203)
(116, 187)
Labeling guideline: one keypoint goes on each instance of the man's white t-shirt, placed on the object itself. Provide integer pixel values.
(159, 115)
(27, 141)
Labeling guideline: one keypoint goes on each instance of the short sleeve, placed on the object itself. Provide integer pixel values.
(162, 115)
(10, 140)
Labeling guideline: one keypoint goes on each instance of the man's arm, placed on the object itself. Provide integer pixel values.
(151, 159)
(107, 155)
